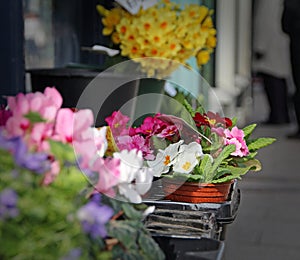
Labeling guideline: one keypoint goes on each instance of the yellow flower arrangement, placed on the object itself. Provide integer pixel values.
(162, 31)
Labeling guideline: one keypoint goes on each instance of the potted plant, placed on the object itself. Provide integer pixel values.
(60, 197)
(197, 158)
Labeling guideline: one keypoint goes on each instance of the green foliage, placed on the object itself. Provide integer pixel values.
(133, 240)
(259, 143)
(63, 152)
(209, 169)
(248, 130)
(34, 117)
(46, 226)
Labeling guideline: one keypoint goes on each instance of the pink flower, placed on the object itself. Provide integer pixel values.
(19, 104)
(109, 175)
(218, 130)
(137, 142)
(168, 131)
(118, 123)
(54, 97)
(4, 115)
(151, 126)
(83, 121)
(16, 126)
(52, 173)
(46, 104)
(39, 136)
(64, 125)
(236, 137)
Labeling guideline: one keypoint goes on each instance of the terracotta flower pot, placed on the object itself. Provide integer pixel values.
(194, 192)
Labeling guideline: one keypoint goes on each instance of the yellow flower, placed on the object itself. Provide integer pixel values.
(163, 30)
(211, 42)
(203, 57)
(110, 19)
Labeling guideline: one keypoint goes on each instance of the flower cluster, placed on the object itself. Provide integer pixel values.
(59, 185)
(165, 31)
(211, 149)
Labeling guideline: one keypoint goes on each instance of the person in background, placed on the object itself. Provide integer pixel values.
(291, 26)
(271, 61)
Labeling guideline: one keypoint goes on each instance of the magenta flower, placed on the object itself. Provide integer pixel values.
(118, 123)
(151, 126)
(4, 115)
(136, 142)
(169, 131)
(236, 137)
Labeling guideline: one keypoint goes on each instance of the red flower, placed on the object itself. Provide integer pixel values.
(212, 119)
(201, 120)
(215, 120)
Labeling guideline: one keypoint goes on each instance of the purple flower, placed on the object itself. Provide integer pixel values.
(37, 162)
(8, 204)
(74, 254)
(7, 143)
(94, 216)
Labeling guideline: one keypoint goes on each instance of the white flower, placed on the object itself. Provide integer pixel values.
(164, 159)
(143, 180)
(135, 180)
(188, 157)
(192, 147)
(131, 163)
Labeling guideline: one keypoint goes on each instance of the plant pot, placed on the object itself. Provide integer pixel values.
(194, 192)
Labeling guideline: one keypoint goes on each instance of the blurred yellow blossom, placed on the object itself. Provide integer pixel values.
(162, 31)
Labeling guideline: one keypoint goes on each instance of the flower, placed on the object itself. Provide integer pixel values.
(8, 204)
(164, 30)
(94, 216)
(209, 149)
(65, 186)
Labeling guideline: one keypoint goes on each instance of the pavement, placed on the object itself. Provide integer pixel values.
(267, 226)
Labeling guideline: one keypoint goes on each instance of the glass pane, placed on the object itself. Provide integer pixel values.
(38, 32)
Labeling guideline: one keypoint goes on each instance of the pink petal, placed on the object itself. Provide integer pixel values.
(64, 124)
(54, 96)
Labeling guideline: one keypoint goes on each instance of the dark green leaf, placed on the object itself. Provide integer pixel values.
(131, 212)
(149, 247)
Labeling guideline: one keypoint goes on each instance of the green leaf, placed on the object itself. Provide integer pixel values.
(131, 212)
(222, 156)
(124, 232)
(225, 179)
(235, 173)
(221, 172)
(149, 247)
(205, 166)
(62, 152)
(34, 117)
(158, 143)
(188, 107)
(254, 164)
(234, 121)
(259, 143)
(249, 129)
